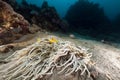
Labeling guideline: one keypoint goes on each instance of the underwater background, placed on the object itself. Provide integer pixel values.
(98, 19)
(111, 7)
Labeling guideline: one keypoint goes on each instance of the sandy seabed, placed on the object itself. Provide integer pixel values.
(106, 58)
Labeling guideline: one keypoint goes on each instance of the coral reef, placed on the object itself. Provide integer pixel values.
(30, 9)
(12, 24)
(49, 19)
(46, 17)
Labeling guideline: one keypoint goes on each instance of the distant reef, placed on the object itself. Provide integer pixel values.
(88, 18)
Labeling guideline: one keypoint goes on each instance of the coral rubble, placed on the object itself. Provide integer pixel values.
(12, 24)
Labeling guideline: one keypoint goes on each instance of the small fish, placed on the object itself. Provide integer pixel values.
(53, 40)
(38, 40)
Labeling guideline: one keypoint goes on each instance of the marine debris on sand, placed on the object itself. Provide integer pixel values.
(12, 24)
(47, 57)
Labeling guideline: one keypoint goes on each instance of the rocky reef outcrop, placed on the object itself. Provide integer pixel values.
(12, 24)
(49, 19)
(45, 16)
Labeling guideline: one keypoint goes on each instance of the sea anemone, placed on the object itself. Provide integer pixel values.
(45, 59)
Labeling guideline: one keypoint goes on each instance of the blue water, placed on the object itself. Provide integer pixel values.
(111, 7)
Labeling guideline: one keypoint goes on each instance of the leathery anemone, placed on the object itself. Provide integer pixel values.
(44, 60)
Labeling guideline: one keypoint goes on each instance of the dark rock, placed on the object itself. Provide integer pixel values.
(49, 19)
(86, 17)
